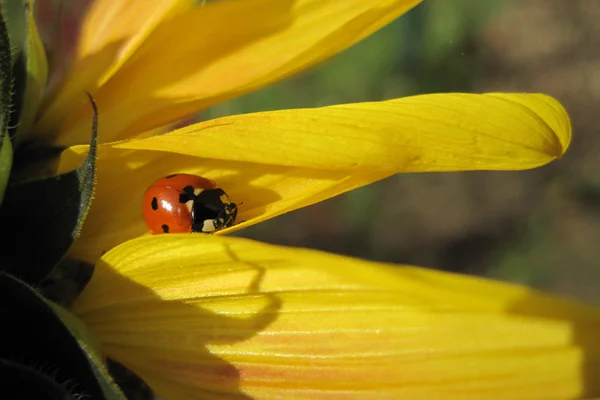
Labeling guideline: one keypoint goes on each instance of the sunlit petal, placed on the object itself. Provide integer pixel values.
(438, 132)
(111, 32)
(207, 316)
(265, 191)
(214, 53)
(280, 161)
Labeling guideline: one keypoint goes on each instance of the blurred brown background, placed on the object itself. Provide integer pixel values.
(539, 227)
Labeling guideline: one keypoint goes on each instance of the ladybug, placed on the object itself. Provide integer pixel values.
(183, 203)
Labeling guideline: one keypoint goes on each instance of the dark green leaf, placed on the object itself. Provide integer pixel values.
(29, 383)
(15, 17)
(29, 65)
(5, 79)
(6, 158)
(34, 335)
(44, 217)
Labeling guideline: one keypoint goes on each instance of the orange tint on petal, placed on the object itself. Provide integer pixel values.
(111, 33)
(199, 316)
(208, 55)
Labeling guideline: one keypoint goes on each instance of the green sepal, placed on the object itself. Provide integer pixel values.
(6, 158)
(29, 66)
(79, 330)
(34, 335)
(44, 217)
(26, 382)
(6, 78)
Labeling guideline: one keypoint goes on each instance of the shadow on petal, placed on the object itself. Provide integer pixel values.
(264, 190)
(186, 46)
(164, 341)
(314, 325)
(583, 337)
(53, 119)
(124, 176)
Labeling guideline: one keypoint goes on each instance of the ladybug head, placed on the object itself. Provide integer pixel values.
(212, 210)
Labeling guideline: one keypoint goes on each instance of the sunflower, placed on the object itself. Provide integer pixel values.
(211, 316)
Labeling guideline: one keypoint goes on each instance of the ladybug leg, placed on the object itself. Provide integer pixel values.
(227, 216)
(232, 211)
(228, 221)
(219, 224)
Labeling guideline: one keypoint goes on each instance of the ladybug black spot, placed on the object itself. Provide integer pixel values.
(171, 176)
(165, 228)
(184, 198)
(187, 195)
(154, 204)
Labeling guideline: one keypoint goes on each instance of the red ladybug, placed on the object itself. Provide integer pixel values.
(183, 203)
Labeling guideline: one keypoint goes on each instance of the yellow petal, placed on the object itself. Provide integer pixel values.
(128, 23)
(36, 77)
(111, 33)
(265, 191)
(437, 132)
(199, 316)
(276, 162)
(217, 52)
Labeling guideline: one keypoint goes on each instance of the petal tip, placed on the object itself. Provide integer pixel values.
(544, 115)
(561, 126)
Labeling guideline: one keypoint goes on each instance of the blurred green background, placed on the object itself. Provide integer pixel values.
(539, 227)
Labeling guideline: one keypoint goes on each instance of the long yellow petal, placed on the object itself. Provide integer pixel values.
(36, 77)
(265, 191)
(277, 162)
(436, 132)
(204, 317)
(217, 52)
(111, 33)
